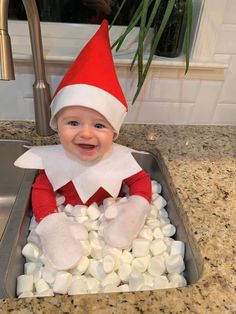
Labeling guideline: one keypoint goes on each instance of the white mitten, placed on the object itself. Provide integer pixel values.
(125, 220)
(60, 239)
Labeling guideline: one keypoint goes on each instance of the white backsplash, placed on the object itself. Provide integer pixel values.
(165, 99)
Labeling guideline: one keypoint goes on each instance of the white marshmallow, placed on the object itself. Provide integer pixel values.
(30, 267)
(93, 211)
(107, 202)
(140, 247)
(60, 199)
(48, 274)
(164, 221)
(153, 214)
(148, 280)
(108, 263)
(163, 213)
(68, 209)
(154, 186)
(140, 264)
(86, 247)
(92, 283)
(95, 269)
(126, 257)
(78, 286)
(33, 224)
(111, 288)
(24, 284)
(96, 248)
(82, 266)
(175, 264)
(37, 273)
(177, 247)
(135, 281)
(177, 280)
(161, 282)
(158, 247)
(153, 223)
(34, 238)
(26, 294)
(31, 252)
(91, 225)
(111, 279)
(157, 233)
(45, 293)
(41, 285)
(124, 288)
(146, 233)
(81, 219)
(79, 210)
(168, 230)
(145, 288)
(62, 282)
(156, 266)
(124, 271)
(159, 202)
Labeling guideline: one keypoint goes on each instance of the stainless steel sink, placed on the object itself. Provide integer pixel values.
(15, 211)
(15, 187)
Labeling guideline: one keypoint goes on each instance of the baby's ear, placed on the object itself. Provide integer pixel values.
(115, 136)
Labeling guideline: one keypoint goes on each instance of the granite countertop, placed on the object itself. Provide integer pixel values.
(201, 165)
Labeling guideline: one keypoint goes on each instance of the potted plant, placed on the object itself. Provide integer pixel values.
(159, 13)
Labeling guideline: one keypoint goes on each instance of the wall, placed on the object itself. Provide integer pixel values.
(168, 97)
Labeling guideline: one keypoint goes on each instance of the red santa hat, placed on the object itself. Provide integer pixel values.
(92, 82)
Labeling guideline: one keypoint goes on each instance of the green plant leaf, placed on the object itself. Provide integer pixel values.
(156, 40)
(149, 24)
(188, 31)
(117, 13)
(133, 22)
(145, 6)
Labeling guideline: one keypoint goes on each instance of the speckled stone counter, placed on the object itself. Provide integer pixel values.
(200, 162)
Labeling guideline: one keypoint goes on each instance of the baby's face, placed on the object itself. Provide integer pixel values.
(84, 132)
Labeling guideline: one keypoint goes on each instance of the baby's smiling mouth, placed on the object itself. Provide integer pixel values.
(87, 146)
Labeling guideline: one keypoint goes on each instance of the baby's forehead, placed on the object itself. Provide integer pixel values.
(79, 111)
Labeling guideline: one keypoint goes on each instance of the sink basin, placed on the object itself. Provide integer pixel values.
(15, 188)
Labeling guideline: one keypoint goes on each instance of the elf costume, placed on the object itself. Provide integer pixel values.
(90, 82)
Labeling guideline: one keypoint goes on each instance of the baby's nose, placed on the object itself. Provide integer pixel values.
(86, 132)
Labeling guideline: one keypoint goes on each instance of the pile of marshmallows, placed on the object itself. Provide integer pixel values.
(154, 260)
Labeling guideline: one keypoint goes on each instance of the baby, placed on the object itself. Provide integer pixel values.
(87, 111)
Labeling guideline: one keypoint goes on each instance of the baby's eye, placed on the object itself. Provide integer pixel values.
(99, 126)
(73, 123)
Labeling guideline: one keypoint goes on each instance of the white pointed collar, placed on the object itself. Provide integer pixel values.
(61, 168)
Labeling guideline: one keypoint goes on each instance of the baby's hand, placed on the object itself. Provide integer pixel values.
(125, 219)
(60, 239)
